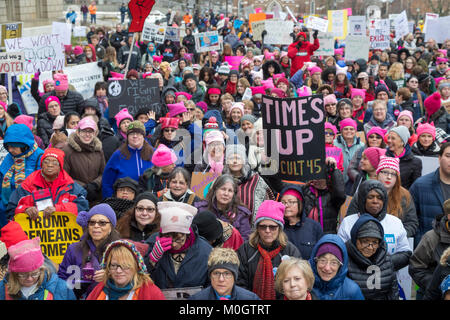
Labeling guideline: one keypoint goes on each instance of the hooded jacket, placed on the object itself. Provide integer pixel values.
(376, 271)
(340, 287)
(394, 232)
(433, 291)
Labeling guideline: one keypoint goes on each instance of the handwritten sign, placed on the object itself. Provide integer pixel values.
(257, 29)
(64, 30)
(317, 24)
(337, 23)
(401, 25)
(326, 40)
(207, 41)
(357, 25)
(172, 33)
(294, 126)
(56, 233)
(356, 47)
(44, 52)
(200, 180)
(278, 32)
(11, 31)
(11, 62)
(379, 31)
(428, 17)
(252, 17)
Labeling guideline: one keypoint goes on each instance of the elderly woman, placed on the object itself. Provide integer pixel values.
(130, 160)
(178, 183)
(223, 265)
(46, 119)
(295, 279)
(367, 250)
(263, 251)
(380, 117)
(142, 220)
(125, 191)
(28, 277)
(125, 275)
(98, 232)
(177, 256)
(329, 263)
(85, 161)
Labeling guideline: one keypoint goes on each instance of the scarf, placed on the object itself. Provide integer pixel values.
(263, 282)
(231, 88)
(187, 244)
(18, 168)
(224, 297)
(114, 292)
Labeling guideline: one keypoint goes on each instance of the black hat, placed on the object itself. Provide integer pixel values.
(146, 195)
(126, 182)
(144, 110)
(370, 230)
(423, 76)
(208, 226)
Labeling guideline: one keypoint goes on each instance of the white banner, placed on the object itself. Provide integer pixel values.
(438, 29)
(12, 62)
(356, 47)
(316, 23)
(357, 25)
(278, 32)
(326, 40)
(64, 30)
(428, 17)
(401, 25)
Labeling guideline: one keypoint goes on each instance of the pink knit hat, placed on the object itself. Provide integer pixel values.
(406, 113)
(373, 154)
(328, 125)
(4, 106)
(304, 91)
(50, 99)
(358, 92)
(271, 210)
(121, 115)
(267, 84)
(157, 58)
(214, 135)
(25, 256)
(339, 51)
(163, 156)
(77, 50)
(47, 81)
(432, 103)
(440, 60)
(426, 128)
(388, 162)
(237, 105)
(379, 131)
(314, 70)
(331, 98)
(25, 119)
(187, 95)
(280, 93)
(176, 108)
(61, 81)
(348, 122)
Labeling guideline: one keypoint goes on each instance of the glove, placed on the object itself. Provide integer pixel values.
(161, 246)
(299, 44)
(315, 34)
(37, 74)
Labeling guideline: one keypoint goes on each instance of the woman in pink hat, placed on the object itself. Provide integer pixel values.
(123, 119)
(330, 149)
(212, 97)
(314, 81)
(426, 144)
(341, 85)
(235, 114)
(45, 120)
(405, 118)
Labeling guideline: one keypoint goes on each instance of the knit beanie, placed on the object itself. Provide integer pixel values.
(211, 124)
(121, 115)
(402, 132)
(248, 117)
(278, 92)
(103, 209)
(169, 122)
(136, 126)
(25, 256)
(202, 105)
(294, 193)
(340, 70)
(163, 156)
(77, 50)
(329, 99)
(426, 128)
(370, 229)
(58, 154)
(328, 125)
(348, 122)
(388, 163)
(208, 226)
(377, 130)
(373, 154)
(224, 69)
(238, 149)
(61, 81)
(176, 216)
(146, 195)
(182, 93)
(304, 91)
(258, 90)
(282, 80)
(237, 105)
(25, 119)
(271, 210)
(330, 248)
(50, 99)
(315, 69)
(131, 247)
(432, 103)
(125, 182)
(214, 135)
(176, 108)
(12, 233)
(406, 113)
(358, 92)
(58, 124)
(381, 87)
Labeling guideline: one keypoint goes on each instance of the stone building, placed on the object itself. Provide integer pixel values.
(30, 12)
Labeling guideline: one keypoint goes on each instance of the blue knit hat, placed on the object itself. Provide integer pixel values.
(103, 209)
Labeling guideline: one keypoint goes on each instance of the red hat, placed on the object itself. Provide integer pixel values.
(169, 122)
(301, 33)
(388, 162)
(213, 91)
(433, 103)
(282, 80)
(55, 153)
(280, 93)
(12, 233)
(258, 90)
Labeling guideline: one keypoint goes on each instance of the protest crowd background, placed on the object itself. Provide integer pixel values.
(207, 156)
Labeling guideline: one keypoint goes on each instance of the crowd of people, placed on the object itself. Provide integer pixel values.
(249, 236)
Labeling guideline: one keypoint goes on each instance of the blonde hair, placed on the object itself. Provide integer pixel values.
(189, 103)
(14, 285)
(222, 255)
(254, 238)
(287, 265)
(396, 71)
(226, 96)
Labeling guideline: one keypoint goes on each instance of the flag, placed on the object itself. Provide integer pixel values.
(139, 9)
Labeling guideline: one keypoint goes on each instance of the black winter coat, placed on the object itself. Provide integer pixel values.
(410, 167)
(44, 127)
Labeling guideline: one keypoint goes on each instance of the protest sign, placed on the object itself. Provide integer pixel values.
(357, 25)
(337, 23)
(159, 34)
(11, 31)
(133, 95)
(404, 278)
(11, 62)
(220, 24)
(237, 24)
(293, 135)
(44, 52)
(56, 233)
(428, 17)
(200, 180)
(173, 34)
(207, 41)
(278, 32)
(25, 93)
(3, 151)
(438, 29)
(255, 17)
(148, 32)
(257, 28)
(317, 24)
(64, 30)
(79, 32)
(326, 40)
(379, 34)
(401, 25)
(356, 47)
(233, 61)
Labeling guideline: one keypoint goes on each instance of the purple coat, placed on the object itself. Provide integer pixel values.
(241, 222)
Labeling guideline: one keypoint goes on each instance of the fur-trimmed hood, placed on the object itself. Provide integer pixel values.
(95, 145)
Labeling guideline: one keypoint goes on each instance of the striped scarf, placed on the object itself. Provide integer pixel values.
(264, 282)
(17, 169)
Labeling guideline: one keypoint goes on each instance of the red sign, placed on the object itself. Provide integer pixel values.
(139, 9)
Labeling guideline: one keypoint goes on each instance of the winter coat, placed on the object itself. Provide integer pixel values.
(168, 51)
(428, 204)
(237, 293)
(410, 167)
(428, 252)
(192, 272)
(353, 167)
(148, 291)
(44, 127)
(394, 232)
(433, 291)
(347, 151)
(300, 56)
(189, 197)
(52, 288)
(361, 269)
(387, 124)
(432, 151)
(341, 287)
(70, 102)
(135, 60)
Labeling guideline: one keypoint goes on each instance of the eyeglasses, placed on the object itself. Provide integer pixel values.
(142, 209)
(87, 132)
(366, 243)
(388, 174)
(330, 105)
(170, 130)
(26, 275)
(329, 133)
(114, 267)
(217, 274)
(92, 223)
(375, 136)
(263, 227)
(322, 262)
(289, 203)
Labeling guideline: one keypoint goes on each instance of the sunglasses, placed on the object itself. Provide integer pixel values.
(170, 130)
(263, 227)
(92, 223)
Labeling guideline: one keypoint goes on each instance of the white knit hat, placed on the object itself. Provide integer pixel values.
(176, 216)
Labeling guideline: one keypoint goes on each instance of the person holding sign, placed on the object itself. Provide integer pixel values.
(300, 51)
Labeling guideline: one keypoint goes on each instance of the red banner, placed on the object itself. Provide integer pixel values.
(139, 9)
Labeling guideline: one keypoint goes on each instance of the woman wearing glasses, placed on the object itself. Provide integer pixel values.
(125, 275)
(329, 263)
(81, 262)
(261, 254)
(45, 120)
(141, 221)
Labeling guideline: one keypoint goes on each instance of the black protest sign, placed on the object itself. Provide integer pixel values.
(133, 95)
(294, 135)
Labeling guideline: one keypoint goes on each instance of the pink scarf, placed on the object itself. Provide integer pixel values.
(216, 167)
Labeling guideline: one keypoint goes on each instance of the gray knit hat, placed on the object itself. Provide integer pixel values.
(248, 117)
(403, 133)
(370, 230)
(236, 149)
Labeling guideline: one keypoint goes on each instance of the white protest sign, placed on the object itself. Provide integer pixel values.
(338, 23)
(220, 24)
(173, 34)
(79, 32)
(356, 47)
(257, 29)
(278, 32)
(326, 40)
(11, 62)
(316, 23)
(160, 34)
(25, 92)
(357, 25)
(379, 31)
(44, 52)
(401, 25)
(3, 151)
(247, 94)
(428, 17)
(207, 41)
(438, 29)
(64, 30)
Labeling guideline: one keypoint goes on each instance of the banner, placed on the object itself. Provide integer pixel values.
(64, 30)
(437, 29)
(293, 135)
(401, 25)
(356, 47)
(56, 233)
(11, 62)
(337, 23)
(326, 40)
(44, 52)
(278, 32)
(428, 17)
(234, 61)
(379, 34)
(199, 182)
(133, 95)
(11, 31)
(257, 29)
(173, 34)
(317, 24)
(255, 17)
(357, 25)
(207, 41)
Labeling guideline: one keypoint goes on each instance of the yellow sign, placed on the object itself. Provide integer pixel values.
(11, 31)
(338, 23)
(56, 233)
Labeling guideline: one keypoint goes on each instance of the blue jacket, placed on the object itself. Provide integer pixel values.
(119, 167)
(237, 293)
(429, 203)
(340, 287)
(56, 286)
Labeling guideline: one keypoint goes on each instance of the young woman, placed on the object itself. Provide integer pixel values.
(123, 120)
(212, 97)
(359, 106)
(341, 85)
(426, 144)
(314, 80)
(242, 85)
(397, 74)
(363, 81)
(368, 166)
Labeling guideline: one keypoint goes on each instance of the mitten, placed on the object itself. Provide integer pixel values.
(161, 246)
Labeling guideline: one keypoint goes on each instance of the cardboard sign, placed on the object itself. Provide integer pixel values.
(337, 23)
(56, 233)
(11, 31)
(356, 47)
(379, 34)
(293, 136)
(64, 30)
(11, 62)
(401, 25)
(200, 180)
(234, 61)
(278, 32)
(326, 40)
(207, 41)
(44, 52)
(317, 24)
(357, 25)
(173, 34)
(133, 95)
(257, 29)
(159, 35)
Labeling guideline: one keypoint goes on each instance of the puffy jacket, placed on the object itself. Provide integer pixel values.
(432, 151)
(70, 102)
(237, 293)
(347, 151)
(340, 287)
(362, 270)
(410, 167)
(300, 56)
(44, 127)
